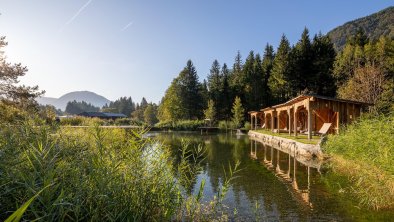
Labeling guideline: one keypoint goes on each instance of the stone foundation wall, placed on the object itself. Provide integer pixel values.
(288, 145)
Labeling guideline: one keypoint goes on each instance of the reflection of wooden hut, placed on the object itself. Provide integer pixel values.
(307, 113)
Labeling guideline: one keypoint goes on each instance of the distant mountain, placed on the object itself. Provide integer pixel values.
(374, 26)
(79, 96)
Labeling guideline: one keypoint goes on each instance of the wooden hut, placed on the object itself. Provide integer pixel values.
(307, 113)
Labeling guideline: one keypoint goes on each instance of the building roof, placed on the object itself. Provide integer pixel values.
(103, 115)
(306, 96)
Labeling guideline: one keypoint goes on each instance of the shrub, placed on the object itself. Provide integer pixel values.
(247, 126)
(181, 125)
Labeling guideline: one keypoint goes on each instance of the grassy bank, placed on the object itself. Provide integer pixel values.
(95, 174)
(363, 152)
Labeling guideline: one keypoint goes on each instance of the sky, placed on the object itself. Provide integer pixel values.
(136, 48)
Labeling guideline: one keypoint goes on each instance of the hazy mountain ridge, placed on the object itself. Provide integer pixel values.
(375, 25)
(87, 96)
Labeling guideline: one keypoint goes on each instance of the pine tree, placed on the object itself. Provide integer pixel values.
(279, 79)
(266, 66)
(19, 96)
(238, 112)
(237, 76)
(215, 85)
(301, 65)
(227, 94)
(323, 82)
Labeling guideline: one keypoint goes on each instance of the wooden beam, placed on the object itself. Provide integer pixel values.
(309, 109)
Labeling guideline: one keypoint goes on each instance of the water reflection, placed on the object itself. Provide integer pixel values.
(284, 187)
(272, 159)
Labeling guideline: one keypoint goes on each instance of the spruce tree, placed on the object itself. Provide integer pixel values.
(301, 65)
(215, 85)
(278, 80)
(238, 112)
(323, 82)
(227, 94)
(266, 66)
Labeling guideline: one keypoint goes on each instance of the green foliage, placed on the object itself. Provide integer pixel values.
(247, 126)
(278, 80)
(375, 25)
(82, 121)
(368, 69)
(150, 115)
(75, 107)
(123, 105)
(180, 125)
(210, 112)
(363, 152)
(138, 114)
(369, 140)
(184, 98)
(17, 215)
(20, 96)
(238, 112)
(226, 125)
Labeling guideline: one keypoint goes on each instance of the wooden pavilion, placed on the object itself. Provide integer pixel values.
(306, 114)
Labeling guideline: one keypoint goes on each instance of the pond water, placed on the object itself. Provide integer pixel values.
(272, 185)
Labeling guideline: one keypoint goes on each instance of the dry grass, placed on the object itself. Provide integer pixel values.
(373, 187)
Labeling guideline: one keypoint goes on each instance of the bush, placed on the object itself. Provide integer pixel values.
(247, 126)
(122, 122)
(181, 125)
(226, 125)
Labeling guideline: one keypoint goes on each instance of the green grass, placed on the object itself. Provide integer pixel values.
(364, 151)
(96, 174)
(299, 138)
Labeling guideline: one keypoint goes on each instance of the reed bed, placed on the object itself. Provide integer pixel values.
(363, 151)
(96, 174)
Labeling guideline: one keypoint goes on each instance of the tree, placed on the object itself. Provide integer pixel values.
(215, 88)
(238, 112)
(184, 98)
(278, 80)
(266, 66)
(237, 77)
(150, 114)
(21, 97)
(123, 105)
(227, 94)
(301, 75)
(368, 80)
(74, 107)
(210, 112)
(371, 80)
(323, 82)
(138, 114)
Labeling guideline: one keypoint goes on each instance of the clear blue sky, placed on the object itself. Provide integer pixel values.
(135, 48)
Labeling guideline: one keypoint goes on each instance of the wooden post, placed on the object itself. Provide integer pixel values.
(277, 121)
(255, 121)
(295, 121)
(289, 114)
(309, 120)
(272, 121)
(251, 121)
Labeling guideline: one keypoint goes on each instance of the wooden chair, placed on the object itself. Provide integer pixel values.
(324, 129)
